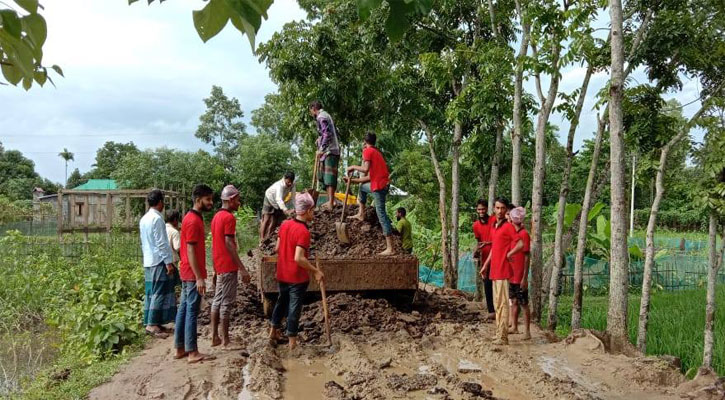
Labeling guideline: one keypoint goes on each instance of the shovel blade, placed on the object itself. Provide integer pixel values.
(341, 229)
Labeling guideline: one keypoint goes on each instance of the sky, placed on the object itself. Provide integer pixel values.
(139, 73)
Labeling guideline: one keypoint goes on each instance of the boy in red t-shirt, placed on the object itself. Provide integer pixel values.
(482, 232)
(226, 264)
(505, 244)
(519, 286)
(375, 181)
(192, 270)
(293, 267)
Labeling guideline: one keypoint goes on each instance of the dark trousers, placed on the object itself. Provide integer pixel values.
(488, 290)
(289, 304)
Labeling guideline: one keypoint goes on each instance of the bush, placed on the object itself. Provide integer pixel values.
(680, 219)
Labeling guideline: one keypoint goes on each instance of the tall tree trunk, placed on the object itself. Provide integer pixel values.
(451, 280)
(619, 262)
(715, 262)
(516, 132)
(493, 179)
(649, 257)
(537, 191)
(442, 195)
(559, 248)
(576, 309)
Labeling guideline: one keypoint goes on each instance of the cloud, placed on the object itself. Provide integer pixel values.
(132, 73)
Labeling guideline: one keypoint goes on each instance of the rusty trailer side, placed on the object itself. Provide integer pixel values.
(351, 275)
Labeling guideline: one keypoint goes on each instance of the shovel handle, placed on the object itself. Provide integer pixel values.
(324, 306)
(347, 193)
(314, 172)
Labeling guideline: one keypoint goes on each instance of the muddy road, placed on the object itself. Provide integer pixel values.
(437, 348)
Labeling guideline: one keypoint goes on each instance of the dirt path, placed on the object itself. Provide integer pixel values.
(439, 349)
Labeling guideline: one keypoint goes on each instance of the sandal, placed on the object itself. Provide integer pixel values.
(157, 335)
(202, 357)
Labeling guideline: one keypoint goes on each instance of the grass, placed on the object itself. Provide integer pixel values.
(83, 377)
(677, 320)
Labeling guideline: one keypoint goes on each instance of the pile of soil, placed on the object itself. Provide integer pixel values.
(247, 311)
(366, 237)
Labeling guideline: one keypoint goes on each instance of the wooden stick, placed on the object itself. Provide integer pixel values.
(324, 306)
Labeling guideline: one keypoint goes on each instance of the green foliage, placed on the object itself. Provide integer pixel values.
(262, 161)
(22, 35)
(108, 158)
(247, 229)
(18, 177)
(221, 124)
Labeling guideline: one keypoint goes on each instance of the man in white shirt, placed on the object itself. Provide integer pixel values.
(158, 261)
(274, 207)
(173, 218)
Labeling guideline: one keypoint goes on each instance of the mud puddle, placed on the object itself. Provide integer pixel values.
(305, 378)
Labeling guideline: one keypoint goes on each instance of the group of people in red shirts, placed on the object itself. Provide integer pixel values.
(503, 254)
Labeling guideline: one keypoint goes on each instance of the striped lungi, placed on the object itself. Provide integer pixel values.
(160, 301)
(328, 170)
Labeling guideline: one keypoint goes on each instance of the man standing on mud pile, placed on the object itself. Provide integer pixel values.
(519, 286)
(505, 244)
(158, 261)
(376, 181)
(406, 231)
(193, 276)
(482, 232)
(226, 264)
(274, 205)
(328, 152)
(293, 267)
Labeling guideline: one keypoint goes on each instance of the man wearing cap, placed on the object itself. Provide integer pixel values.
(293, 269)
(226, 264)
(274, 204)
(518, 285)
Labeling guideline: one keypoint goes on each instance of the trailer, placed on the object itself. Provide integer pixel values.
(395, 275)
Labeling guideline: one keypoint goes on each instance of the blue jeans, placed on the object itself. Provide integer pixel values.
(289, 302)
(186, 315)
(379, 198)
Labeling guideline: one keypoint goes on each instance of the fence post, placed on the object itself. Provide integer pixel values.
(86, 211)
(60, 215)
(128, 212)
(109, 212)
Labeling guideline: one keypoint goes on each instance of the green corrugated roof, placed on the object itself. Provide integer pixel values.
(98, 184)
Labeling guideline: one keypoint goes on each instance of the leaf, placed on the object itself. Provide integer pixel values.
(245, 27)
(58, 70)
(397, 22)
(12, 74)
(570, 213)
(211, 19)
(11, 23)
(41, 76)
(30, 6)
(601, 225)
(365, 7)
(595, 211)
(36, 28)
(635, 252)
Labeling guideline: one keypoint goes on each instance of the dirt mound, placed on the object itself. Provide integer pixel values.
(247, 311)
(366, 237)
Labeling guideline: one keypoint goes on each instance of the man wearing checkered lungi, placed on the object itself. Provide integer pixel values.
(328, 151)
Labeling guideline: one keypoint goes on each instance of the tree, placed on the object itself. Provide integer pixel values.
(18, 178)
(222, 126)
(75, 179)
(107, 158)
(262, 160)
(66, 156)
(516, 132)
(619, 262)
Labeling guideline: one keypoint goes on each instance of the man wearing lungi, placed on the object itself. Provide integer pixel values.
(159, 270)
(328, 151)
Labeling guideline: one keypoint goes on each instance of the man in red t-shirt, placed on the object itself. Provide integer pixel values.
(519, 286)
(293, 268)
(226, 264)
(482, 232)
(192, 270)
(375, 181)
(505, 244)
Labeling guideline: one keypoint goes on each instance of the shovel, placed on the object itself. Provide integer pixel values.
(313, 190)
(341, 227)
(324, 306)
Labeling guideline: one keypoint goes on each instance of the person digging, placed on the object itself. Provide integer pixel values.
(274, 208)
(376, 182)
(293, 270)
(226, 265)
(328, 152)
